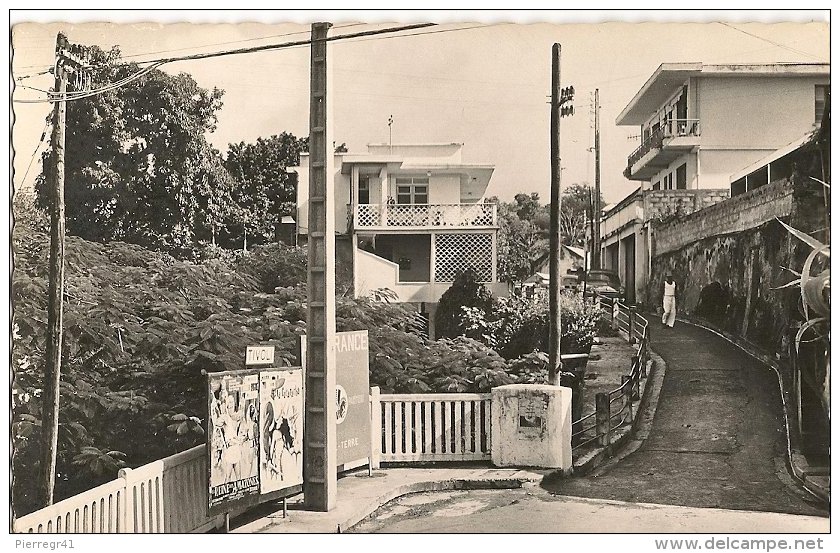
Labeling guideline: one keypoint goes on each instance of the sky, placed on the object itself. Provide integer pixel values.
(480, 78)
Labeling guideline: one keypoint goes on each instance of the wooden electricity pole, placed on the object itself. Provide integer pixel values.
(554, 363)
(319, 472)
(52, 376)
(596, 234)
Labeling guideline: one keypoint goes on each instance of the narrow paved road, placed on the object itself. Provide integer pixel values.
(717, 439)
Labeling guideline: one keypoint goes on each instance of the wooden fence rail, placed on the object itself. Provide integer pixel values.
(434, 427)
(168, 495)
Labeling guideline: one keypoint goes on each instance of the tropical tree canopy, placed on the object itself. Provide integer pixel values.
(139, 167)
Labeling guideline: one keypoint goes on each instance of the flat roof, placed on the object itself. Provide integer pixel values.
(669, 76)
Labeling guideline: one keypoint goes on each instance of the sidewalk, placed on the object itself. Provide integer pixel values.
(359, 495)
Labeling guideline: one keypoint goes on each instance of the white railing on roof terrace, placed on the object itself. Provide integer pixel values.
(446, 216)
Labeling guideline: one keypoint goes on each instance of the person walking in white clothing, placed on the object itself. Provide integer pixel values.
(669, 303)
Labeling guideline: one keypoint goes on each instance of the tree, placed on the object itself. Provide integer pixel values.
(522, 236)
(264, 191)
(575, 213)
(466, 291)
(521, 243)
(138, 166)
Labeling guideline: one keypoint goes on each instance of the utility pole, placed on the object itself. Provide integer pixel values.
(596, 235)
(52, 376)
(319, 450)
(558, 98)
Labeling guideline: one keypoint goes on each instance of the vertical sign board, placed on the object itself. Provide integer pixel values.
(352, 396)
(281, 422)
(232, 440)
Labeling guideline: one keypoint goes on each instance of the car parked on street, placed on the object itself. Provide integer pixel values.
(604, 283)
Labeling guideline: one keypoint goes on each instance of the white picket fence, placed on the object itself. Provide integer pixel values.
(170, 495)
(433, 427)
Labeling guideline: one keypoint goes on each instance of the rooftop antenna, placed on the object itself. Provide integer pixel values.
(390, 144)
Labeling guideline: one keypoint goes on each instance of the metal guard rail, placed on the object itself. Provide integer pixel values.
(614, 409)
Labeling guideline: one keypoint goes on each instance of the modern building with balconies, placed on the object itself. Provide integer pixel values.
(413, 217)
(699, 124)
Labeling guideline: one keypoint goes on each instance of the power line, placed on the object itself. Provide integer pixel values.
(292, 44)
(137, 55)
(55, 97)
(40, 142)
(158, 62)
(780, 45)
(232, 42)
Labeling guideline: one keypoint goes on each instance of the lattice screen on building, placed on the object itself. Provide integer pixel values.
(457, 252)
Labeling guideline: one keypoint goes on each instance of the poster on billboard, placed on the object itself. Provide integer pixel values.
(281, 423)
(352, 397)
(233, 440)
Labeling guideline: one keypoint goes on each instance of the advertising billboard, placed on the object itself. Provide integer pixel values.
(352, 396)
(281, 422)
(233, 440)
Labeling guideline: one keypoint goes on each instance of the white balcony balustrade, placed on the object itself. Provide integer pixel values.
(424, 216)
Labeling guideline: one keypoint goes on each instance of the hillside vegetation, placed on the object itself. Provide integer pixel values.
(139, 328)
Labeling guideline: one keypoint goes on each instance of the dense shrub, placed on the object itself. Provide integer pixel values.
(518, 325)
(141, 326)
(466, 291)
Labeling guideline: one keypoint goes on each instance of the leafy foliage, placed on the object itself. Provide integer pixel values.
(138, 166)
(466, 291)
(140, 326)
(518, 325)
(266, 190)
(815, 303)
(524, 226)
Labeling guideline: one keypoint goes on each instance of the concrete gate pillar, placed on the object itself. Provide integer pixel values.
(532, 426)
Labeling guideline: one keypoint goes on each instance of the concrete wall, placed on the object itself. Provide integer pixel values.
(660, 203)
(735, 215)
(450, 153)
(726, 259)
(373, 272)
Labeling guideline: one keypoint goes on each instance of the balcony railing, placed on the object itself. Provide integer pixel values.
(673, 128)
(446, 216)
(682, 127)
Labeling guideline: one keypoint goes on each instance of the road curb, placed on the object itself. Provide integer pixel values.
(640, 427)
(795, 462)
(362, 512)
(433, 486)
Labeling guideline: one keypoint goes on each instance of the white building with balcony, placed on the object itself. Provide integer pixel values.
(699, 124)
(415, 216)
